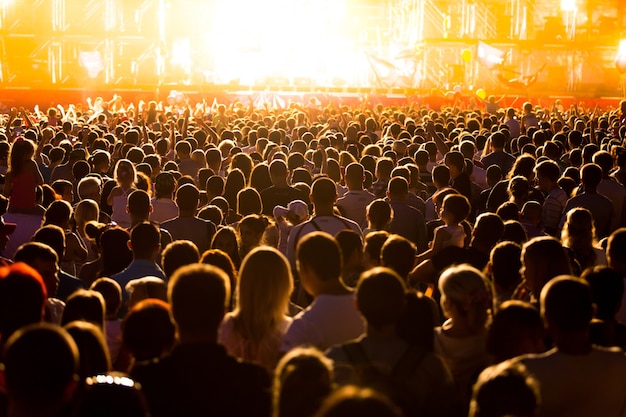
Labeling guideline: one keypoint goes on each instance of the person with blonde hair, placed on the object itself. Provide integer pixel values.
(254, 330)
(86, 211)
(579, 235)
(125, 177)
(461, 340)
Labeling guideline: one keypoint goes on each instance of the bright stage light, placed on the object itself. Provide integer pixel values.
(620, 59)
(569, 5)
(282, 38)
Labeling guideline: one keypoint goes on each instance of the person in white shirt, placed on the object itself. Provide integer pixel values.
(353, 204)
(332, 317)
(576, 378)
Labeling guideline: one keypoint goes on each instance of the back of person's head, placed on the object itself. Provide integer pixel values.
(498, 140)
(384, 166)
(215, 185)
(249, 202)
(616, 248)
(457, 206)
(494, 175)
(323, 191)
(278, 169)
(607, 288)
(441, 175)
(111, 394)
(380, 297)
(548, 169)
(516, 329)
(139, 204)
(263, 289)
(417, 325)
(467, 290)
(372, 246)
(504, 264)
(145, 239)
(303, 378)
(604, 160)
(353, 401)
(111, 292)
(187, 197)
(22, 298)
(351, 244)
(164, 184)
(178, 253)
(146, 287)
(94, 357)
(147, 330)
(52, 236)
(506, 389)
(319, 252)
(86, 305)
(398, 188)
(379, 213)
(41, 364)
(543, 258)
(39, 255)
(398, 254)
(58, 213)
(354, 174)
(514, 232)
(488, 229)
(566, 304)
(199, 296)
(455, 159)
(590, 176)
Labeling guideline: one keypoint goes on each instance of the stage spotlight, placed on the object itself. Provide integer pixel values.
(92, 62)
(569, 5)
(620, 59)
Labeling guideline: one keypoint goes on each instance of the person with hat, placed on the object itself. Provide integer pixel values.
(286, 218)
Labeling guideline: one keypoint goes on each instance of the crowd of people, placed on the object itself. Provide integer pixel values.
(180, 259)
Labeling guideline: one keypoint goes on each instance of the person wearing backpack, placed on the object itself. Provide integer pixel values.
(411, 376)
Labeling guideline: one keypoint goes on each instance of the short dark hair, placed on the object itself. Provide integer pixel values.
(139, 204)
(607, 288)
(111, 292)
(31, 251)
(41, 360)
(147, 329)
(318, 246)
(591, 175)
(548, 169)
(380, 296)
(349, 241)
(145, 239)
(52, 236)
(398, 187)
(567, 304)
(177, 254)
(199, 295)
(398, 254)
(323, 191)
(187, 197)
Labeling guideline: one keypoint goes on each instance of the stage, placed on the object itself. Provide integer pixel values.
(282, 97)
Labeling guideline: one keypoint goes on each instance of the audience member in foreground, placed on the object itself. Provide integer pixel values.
(417, 380)
(576, 378)
(198, 378)
(332, 317)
